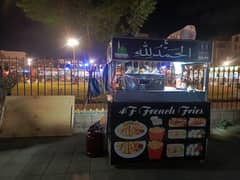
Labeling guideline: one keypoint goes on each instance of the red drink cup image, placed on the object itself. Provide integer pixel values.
(155, 149)
(156, 133)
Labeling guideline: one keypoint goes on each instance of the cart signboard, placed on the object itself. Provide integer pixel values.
(158, 131)
(160, 50)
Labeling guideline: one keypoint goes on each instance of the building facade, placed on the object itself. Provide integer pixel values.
(226, 51)
(10, 55)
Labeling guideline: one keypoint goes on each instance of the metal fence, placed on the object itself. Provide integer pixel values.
(66, 77)
(224, 84)
(43, 77)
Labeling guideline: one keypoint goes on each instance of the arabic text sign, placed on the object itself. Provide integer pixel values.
(161, 50)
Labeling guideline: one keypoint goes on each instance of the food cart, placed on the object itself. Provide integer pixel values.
(157, 99)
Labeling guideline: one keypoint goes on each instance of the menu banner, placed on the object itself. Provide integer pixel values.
(161, 50)
(158, 131)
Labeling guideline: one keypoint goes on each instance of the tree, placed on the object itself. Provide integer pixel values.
(95, 20)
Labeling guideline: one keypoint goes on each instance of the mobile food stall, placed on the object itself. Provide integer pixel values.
(157, 105)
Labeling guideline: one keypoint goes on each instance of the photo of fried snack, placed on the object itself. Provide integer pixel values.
(175, 150)
(130, 130)
(194, 149)
(177, 134)
(196, 133)
(177, 122)
(155, 149)
(129, 149)
(156, 133)
(197, 122)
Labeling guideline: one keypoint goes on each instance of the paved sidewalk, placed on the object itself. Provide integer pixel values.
(64, 158)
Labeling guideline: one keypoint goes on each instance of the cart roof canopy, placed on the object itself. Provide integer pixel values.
(159, 50)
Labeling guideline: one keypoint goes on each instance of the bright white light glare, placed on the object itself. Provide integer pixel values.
(178, 67)
(226, 63)
(189, 88)
(86, 64)
(91, 61)
(72, 42)
(29, 61)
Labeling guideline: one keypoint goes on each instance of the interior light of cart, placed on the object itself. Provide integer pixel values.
(178, 67)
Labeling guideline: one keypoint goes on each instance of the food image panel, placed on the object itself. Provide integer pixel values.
(194, 150)
(156, 121)
(197, 122)
(129, 149)
(177, 122)
(131, 130)
(156, 133)
(175, 150)
(196, 133)
(177, 134)
(155, 149)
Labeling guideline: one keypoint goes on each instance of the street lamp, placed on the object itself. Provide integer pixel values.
(29, 61)
(73, 42)
(91, 61)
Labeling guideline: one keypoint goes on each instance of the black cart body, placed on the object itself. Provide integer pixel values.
(157, 105)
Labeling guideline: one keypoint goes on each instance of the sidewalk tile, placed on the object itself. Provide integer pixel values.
(28, 178)
(80, 176)
(54, 177)
(11, 169)
(7, 177)
(57, 167)
(79, 165)
(34, 168)
(99, 164)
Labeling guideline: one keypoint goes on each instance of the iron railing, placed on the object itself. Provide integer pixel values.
(224, 84)
(66, 77)
(43, 77)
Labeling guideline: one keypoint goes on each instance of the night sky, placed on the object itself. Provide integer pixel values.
(213, 19)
